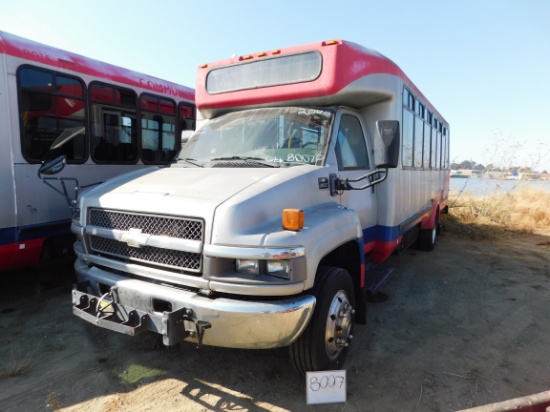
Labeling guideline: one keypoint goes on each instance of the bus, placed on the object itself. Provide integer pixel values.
(310, 166)
(105, 120)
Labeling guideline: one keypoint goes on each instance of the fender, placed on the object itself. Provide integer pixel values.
(327, 228)
(429, 220)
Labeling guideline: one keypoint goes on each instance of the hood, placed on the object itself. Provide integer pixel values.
(174, 190)
(236, 204)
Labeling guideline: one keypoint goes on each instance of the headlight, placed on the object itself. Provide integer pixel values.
(248, 266)
(277, 268)
(75, 212)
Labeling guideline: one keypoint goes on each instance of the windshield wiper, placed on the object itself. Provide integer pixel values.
(248, 159)
(191, 161)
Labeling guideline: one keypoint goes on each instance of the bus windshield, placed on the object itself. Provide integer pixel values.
(285, 136)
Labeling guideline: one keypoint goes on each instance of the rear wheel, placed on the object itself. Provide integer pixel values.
(426, 238)
(324, 343)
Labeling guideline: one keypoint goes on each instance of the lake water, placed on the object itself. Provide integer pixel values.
(487, 187)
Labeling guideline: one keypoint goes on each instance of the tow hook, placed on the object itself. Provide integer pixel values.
(103, 305)
(187, 315)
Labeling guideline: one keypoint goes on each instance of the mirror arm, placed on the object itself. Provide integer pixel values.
(337, 184)
(65, 192)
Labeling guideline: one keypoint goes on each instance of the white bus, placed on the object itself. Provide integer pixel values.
(310, 166)
(105, 119)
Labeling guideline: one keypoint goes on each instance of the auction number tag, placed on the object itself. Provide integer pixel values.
(326, 387)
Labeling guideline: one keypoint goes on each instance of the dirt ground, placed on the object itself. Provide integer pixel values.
(465, 325)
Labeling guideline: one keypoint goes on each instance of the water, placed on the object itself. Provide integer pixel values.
(486, 187)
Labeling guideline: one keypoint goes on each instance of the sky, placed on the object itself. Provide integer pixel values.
(481, 63)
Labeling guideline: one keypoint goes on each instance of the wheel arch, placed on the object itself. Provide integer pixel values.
(349, 256)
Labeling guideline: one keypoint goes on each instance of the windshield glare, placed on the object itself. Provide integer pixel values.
(288, 136)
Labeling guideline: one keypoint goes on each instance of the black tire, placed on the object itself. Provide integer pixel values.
(427, 238)
(325, 342)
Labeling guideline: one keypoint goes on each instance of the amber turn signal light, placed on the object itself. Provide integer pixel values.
(293, 219)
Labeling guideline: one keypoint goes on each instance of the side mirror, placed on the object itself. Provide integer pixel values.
(387, 144)
(53, 166)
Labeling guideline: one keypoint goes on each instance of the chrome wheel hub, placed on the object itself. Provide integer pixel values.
(339, 324)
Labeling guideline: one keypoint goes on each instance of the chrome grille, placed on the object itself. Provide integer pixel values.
(152, 225)
(182, 228)
(148, 254)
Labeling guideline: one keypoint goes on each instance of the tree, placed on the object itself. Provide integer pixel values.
(479, 168)
(467, 164)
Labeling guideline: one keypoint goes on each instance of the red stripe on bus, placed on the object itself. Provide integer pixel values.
(343, 63)
(29, 50)
(20, 254)
(382, 250)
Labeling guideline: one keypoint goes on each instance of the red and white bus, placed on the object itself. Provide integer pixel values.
(105, 119)
(343, 74)
(309, 167)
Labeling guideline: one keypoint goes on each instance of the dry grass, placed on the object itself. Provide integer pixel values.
(18, 364)
(524, 211)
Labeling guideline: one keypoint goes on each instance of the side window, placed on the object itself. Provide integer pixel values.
(114, 126)
(187, 116)
(418, 141)
(435, 146)
(427, 142)
(52, 114)
(445, 150)
(408, 138)
(351, 149)
(158, 129)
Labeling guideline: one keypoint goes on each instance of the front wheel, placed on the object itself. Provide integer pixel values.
(324, 343)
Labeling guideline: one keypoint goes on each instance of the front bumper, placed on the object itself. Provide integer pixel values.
(133, 306)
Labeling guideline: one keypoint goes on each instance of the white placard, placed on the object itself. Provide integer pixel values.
(325, 387)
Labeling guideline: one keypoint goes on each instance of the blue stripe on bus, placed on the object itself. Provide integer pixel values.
(30, 232)
(381, 233)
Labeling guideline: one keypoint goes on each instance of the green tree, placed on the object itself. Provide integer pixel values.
(467, 164)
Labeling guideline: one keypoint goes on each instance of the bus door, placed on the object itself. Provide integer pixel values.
(352, 154)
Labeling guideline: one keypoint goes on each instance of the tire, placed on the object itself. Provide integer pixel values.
(325, 342)
(427, 238)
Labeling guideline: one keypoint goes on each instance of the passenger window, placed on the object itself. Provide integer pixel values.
(408, 138)
(114, 126)
(187, 116)
(351, 148)
(158, 129)
(53, 120)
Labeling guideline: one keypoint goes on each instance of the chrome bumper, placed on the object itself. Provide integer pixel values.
(133, 306)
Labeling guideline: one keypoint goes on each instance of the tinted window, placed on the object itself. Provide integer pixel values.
(351, 149)
(408, 138)
(53, 115)
(158, 129)
(114, 125)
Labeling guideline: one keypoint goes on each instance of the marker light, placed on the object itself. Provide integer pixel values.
(246, 57)
(330, 42)
(293, 219)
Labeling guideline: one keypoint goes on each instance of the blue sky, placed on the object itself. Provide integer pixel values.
(480, 62)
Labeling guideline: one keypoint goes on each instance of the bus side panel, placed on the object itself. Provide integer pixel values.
(406, 199)
(7, 188)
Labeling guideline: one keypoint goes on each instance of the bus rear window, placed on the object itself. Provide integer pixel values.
(276, 71)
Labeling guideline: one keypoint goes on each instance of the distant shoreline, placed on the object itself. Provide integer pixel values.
(479, 187)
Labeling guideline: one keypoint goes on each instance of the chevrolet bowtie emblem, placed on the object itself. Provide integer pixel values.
(135, 238)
